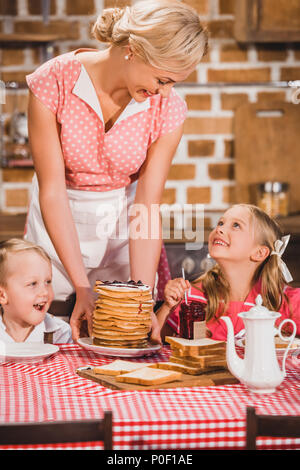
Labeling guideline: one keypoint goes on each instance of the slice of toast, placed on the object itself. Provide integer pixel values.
(279, 343)
(118, 367)
(202, 361)
(189, 370)
(196, 346)
(149, 376)
(195, 354)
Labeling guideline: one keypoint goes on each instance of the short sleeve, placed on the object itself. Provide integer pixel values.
(174, 114)
(43, 83)
(290, 308)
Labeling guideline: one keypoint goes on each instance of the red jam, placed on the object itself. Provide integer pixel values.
(188, 314)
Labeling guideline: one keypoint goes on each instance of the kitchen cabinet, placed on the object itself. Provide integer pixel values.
(267, 21)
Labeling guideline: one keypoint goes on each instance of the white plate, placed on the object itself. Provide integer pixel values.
(26, 352)
(87, 343)
(279, 351)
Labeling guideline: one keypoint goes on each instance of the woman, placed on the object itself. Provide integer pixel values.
(98, 120)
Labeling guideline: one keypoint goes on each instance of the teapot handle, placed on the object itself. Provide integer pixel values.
(287, 338)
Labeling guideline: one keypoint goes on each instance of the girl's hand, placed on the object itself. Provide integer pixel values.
(83, 310)
(174, 291)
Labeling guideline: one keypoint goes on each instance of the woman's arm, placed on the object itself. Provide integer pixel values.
(145, 251)
(50, 169)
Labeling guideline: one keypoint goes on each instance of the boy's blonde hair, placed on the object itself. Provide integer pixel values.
(16, 245)
(166, 34)
(215, 286)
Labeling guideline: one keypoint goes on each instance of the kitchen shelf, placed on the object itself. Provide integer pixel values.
(44, 41)
(21, 165)
(275, 84)
(21, 38)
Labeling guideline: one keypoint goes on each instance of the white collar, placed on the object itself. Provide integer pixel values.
(48, 325)
(85, 90)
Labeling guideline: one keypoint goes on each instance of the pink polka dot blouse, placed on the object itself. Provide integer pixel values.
(96, 160)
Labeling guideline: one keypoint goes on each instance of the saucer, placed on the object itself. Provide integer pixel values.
(26, 352)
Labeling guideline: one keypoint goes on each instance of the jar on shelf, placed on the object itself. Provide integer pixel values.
(273, 198)
(192, 320)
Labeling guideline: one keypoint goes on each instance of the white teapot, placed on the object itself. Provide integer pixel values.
(259, 370)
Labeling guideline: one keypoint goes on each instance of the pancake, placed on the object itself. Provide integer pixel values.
(106, 323)
(103, 311)
(122, 314)
(119, 320)
(126, 304)
(138, 309)
(121, 344)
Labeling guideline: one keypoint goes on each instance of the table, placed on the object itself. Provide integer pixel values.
(181, 418)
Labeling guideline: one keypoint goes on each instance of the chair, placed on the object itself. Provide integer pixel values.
(59, 432)
(275, 426)
(63, 308)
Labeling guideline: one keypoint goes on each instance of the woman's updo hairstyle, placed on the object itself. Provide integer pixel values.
(167, 34)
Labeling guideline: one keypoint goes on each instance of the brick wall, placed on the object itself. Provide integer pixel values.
(203, 168)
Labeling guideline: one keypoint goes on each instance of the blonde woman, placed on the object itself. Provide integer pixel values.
(247, 246)
(104, 126)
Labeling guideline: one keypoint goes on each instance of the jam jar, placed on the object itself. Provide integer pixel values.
(188, 315)
(273, 198)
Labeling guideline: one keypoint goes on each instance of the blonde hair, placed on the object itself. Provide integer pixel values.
(16, 245)
(216, 287)
(166, 34)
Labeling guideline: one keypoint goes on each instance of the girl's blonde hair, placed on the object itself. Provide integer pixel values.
(217, 289)
(166, 34)
(16, 245)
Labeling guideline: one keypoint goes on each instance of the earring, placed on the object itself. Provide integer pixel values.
(126, 57)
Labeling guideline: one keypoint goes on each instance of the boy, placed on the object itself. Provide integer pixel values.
(26, 294)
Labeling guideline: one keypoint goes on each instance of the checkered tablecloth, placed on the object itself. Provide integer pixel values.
(181, 418)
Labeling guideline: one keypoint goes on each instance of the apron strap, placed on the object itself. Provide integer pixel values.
(48, 337)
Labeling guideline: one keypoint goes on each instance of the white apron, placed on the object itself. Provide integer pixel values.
(101, 220)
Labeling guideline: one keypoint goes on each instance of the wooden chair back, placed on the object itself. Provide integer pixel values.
(269, 425)
(59, 432)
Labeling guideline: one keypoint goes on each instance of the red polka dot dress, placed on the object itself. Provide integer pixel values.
(96, 161)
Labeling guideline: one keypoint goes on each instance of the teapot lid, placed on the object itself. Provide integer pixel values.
(259, 311)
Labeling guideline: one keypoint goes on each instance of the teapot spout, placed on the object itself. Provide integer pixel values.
(234, 362)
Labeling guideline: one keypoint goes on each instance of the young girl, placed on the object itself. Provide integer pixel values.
(26, 294)
(247, 246)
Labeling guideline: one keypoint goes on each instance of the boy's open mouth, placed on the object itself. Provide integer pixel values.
(39, 306)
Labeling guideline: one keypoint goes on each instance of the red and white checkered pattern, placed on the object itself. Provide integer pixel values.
(181, 418)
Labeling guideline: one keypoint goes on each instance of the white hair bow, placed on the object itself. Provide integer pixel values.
(280, 246)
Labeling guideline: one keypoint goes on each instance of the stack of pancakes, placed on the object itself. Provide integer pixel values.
(122, 315)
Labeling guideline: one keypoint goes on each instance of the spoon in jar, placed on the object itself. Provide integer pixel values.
(185, 294)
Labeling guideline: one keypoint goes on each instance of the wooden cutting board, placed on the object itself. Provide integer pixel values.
(267, 148)
(220, 377)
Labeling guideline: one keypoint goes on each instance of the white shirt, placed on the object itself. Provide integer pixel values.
(61, 331)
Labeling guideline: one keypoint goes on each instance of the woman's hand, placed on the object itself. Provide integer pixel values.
(174, 291)
(155, 336)
(83, 310)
